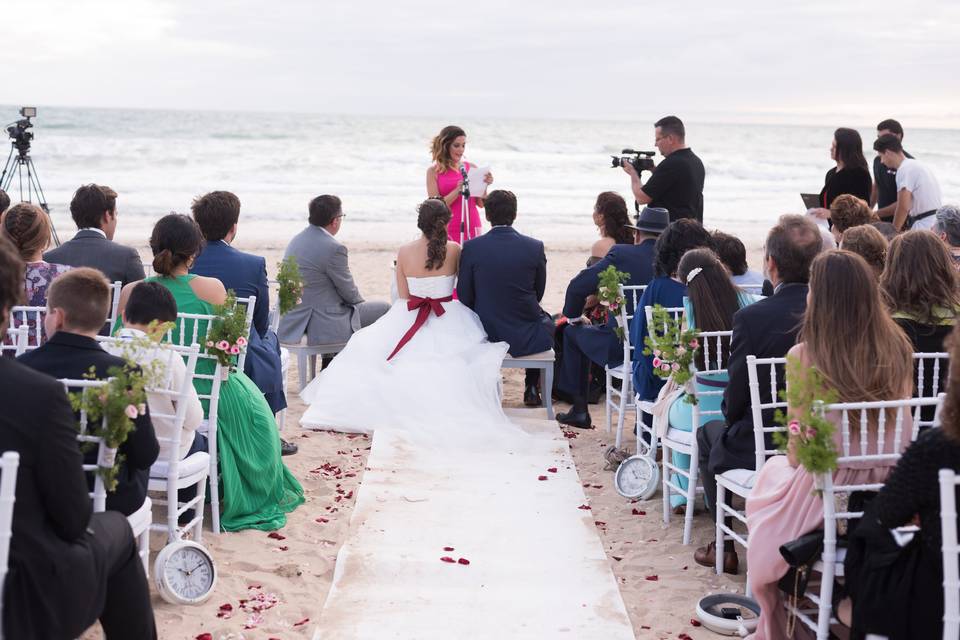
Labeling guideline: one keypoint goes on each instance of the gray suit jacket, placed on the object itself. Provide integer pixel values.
(90, 249)
(326, 313)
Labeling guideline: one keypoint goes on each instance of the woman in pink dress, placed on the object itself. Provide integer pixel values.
(444, 181)
(864, 356)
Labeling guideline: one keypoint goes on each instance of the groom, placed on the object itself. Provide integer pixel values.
(503, 275)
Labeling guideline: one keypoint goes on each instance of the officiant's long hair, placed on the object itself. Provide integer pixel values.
(433, 214)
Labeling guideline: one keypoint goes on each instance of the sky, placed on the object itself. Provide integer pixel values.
(754, 61)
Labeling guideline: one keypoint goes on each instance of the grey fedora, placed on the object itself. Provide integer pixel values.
(651, 220)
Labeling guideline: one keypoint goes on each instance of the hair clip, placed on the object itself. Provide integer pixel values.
(693, 274)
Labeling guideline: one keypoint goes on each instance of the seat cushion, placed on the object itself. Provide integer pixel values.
(542, 357)
(679, 436)
(190, 465)
(738, 478)
(616, 372)
(141, 518)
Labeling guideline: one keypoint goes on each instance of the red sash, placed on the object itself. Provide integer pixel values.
(424, 307)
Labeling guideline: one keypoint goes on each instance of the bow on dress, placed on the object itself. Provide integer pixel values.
(424, 306)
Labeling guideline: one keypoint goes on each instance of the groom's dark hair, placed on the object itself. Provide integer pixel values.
(501, 207)
(323, 209)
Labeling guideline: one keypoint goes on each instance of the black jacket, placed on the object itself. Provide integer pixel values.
(765, 329)
(68, 355)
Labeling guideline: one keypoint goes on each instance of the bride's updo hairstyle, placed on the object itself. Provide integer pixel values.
(176, 240)
(433, 215)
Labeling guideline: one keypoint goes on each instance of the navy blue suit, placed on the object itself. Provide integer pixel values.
(246, 275)
(599, 344)
(503, 275)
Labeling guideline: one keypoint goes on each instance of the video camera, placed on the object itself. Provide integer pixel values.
(18, 130)
(641, 160)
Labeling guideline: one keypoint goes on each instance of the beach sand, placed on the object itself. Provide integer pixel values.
(658, 578)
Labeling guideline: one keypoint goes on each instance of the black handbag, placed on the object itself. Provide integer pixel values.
(801, 554)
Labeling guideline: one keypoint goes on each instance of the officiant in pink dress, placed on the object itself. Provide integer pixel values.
(445, 180)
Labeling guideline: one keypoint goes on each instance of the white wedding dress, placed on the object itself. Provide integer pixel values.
(443, 384)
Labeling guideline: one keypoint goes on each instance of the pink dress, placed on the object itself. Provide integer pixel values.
(783, 507)
(447, 182)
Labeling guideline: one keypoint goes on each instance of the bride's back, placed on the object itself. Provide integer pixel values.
(412, 260)
(431, 255)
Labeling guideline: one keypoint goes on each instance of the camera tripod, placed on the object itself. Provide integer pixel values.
(15, 166)
(464, 206)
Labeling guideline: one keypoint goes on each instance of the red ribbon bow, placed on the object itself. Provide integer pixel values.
(424, 306)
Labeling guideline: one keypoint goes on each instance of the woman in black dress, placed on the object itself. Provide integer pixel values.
(850, 175)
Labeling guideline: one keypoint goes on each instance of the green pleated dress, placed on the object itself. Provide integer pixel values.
(257, 491)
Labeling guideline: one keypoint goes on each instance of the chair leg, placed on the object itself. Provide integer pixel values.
(691, 494)
(546, 392)
(214, 484)
(665, 483)
(625, 394)
(302, 369)
(201, 494)
(721, 500)
(607, 401)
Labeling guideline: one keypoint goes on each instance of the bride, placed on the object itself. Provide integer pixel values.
(426, 367)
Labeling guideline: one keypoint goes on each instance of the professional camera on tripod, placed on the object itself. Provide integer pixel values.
(641, 160)
(17, 163)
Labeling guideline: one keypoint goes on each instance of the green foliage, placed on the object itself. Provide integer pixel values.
(673, 348)
(227, 336)
(809, 431)
(291, 284)
(608, 292)
(111, 410)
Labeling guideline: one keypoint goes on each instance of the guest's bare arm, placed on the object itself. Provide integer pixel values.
(904, 202)
(209, 289)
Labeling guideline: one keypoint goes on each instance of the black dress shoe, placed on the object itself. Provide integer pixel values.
(531, 396)
(287, 448)
(580, 420)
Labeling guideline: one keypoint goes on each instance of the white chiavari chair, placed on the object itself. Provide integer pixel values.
(931, 375)
(706, 386)
(622, 400)
(33, 318)
(142, 518)
(862, 417)
(8, 492)
(646, 436)
(115, 288)
(16, 341)
(949, 481)
(248, 304)
(740, 481)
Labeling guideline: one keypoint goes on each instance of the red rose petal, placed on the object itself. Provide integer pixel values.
(253, 586)
(552, 469)
(448, 548)
(301, 622)
(638, 512)
(653, 578)
(463, 561)
(225, 610)
(684, 636)
(584, 507)
(643, 626)
(284, 548)
(276, 536)
(695, 622)
(321, 520)
(447, 559)
(541, 477)
(204, 636)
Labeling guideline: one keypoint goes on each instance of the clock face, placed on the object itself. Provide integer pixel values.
(189, 573)
(637, 477)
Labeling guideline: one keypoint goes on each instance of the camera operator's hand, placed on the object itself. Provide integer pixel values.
(629, 169)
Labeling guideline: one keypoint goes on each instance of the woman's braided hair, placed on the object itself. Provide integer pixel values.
(433, 214)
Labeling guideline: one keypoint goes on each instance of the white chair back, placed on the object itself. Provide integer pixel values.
(15, 342)
(674, 312)
(33, 318)
(8, 493)
(248, 304)
(931, 370)
(104, 455)
(631, 295)
(766, 400)
(861, 418)
(715, 347)
(115, 288)
(949, 481)
(756, 289)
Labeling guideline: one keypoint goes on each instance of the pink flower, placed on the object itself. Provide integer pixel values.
(657, 352)
(241, 341)
(794, 427)
(810, 433)
(234, 349)
(223, 345)
(694, 343)
(131, 411)
(657, 361)
(210, 344)
(675, 366)
(665, 367)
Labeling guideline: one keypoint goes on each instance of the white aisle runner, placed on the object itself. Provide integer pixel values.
(536, 566)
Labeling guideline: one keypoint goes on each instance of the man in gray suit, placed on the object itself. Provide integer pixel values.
(331, 307)
(94, 210)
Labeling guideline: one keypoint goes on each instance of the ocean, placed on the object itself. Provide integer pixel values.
(158, 161)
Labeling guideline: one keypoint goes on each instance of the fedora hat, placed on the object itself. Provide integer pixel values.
(651, 220)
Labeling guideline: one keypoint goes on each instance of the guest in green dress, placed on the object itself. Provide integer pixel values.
(256, 488)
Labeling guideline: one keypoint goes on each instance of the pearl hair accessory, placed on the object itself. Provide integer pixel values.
(693, 274)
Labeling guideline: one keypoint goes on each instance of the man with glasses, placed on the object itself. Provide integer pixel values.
(677, 182)
(331, 307)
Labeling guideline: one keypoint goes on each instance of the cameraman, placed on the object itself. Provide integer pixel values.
(677, 182)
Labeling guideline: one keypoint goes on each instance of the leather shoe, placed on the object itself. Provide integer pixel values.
(287, 448)
(580, 420)
(531, 396)
(707, 556)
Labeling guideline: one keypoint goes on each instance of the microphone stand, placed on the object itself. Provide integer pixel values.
(464, 206)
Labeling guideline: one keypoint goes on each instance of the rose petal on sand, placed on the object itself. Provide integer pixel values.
(541, 477)
(695, 622)
(447, 559)
(584, 507)
(225, 610)
(638, 512)
(276, 536)
(463, 561)
(204, 636)
(448, 548)
(301, 622)
(321, 520)
(652, 578)
(552, 469)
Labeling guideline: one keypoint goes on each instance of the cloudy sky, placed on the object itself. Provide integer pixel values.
(751, 60)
